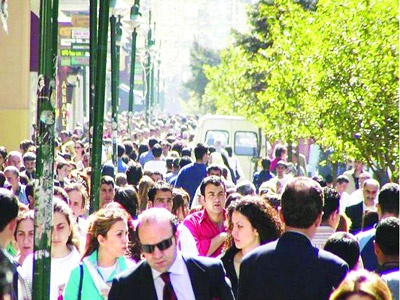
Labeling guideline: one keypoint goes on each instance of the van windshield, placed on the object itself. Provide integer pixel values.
(217, 137)
(246, 143)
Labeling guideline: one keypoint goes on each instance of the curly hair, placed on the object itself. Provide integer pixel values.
(262, 217)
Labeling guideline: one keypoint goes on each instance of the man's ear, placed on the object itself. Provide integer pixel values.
(202, 200)
(377, 250)
(318, 220)
(149, 204)
(13, 225)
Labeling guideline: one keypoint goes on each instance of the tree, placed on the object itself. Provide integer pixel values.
(331, 74)
(199, 58)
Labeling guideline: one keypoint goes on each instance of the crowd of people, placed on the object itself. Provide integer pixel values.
(178, 221)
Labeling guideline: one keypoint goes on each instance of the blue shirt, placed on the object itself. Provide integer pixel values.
(190, 177)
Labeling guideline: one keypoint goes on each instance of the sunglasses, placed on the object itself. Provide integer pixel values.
(163, 245)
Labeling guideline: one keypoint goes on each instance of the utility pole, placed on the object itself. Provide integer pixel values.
(44, 183)
(98, 116)
(149, 91)
(92, 65)
(116, 33)
(133, 17)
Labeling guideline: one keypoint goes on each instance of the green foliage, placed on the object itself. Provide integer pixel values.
(200, 57)
(330, 73)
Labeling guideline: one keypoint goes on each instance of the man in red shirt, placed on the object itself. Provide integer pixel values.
(207, 225)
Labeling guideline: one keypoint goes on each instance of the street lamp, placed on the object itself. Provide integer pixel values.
(149, 72)
(116, 34)
(133, 22)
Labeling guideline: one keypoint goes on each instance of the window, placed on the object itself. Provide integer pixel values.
(217, 135)
(246, 143)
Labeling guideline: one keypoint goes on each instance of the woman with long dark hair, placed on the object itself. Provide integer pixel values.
(252, 222)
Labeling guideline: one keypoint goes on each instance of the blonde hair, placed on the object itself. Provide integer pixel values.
(362, 282)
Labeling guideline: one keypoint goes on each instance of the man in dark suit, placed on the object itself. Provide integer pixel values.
(291, 268)
(356, 211)
(166, 273)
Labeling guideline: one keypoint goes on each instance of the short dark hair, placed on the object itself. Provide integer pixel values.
(3, 152)
(321, 180)
(200, 150)
(302, 202)
(214, 180)
(186, 152)
(107, 180)
(156, 150)
(341, 179)
(134, 173)
(345, 245)
(331, 203)
(184, 160)
(388, 198)
(265, 163)
(387, 236)
(8, 208)
(29, 156)
(152, 142)
(121, 150)
(158, 186)
(214, 167)
(246, 187)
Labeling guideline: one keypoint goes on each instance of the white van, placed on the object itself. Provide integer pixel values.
(247, 141)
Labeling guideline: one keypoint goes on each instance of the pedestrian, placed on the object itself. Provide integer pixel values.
(103, 258)
(24, 235)
(64, 249)
(252, 222)
(291, 268)
(166, 273)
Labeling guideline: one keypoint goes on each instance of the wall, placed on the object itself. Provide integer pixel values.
(14, 76)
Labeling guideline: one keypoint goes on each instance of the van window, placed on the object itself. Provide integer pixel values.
(217, 135)
(246, 143)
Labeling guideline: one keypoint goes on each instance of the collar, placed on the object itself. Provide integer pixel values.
(204, 215)
(177, 267)
(297, 232)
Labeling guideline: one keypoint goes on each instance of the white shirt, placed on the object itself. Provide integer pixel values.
(180, 280)
(156, 165)
(322, 234)
(187, 243)
(60, 270)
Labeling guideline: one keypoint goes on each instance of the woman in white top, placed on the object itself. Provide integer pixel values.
(64, 249)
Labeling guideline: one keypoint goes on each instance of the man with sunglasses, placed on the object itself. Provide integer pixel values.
(166, 273)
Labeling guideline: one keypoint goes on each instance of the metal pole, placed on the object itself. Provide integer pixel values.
(98, 118)
(44, 184)
(132, 81)
(148, 73)
(92, 65)
(114, 87)
(135, 11)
